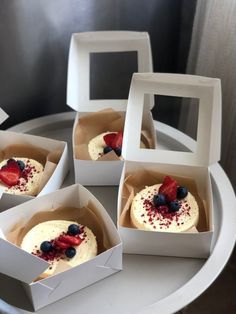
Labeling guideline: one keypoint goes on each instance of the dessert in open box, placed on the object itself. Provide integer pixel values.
(96, 117)
(74, 203)
(148, 167)
(30, 166)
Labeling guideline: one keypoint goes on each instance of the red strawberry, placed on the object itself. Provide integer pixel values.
(169, 189)
(117, 141)
(61, 245)
(10, 175)
(108, 138)
(70, 240)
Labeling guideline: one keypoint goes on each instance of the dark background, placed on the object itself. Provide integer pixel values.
(34, 45)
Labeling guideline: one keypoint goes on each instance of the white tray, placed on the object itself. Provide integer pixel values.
(148, 284)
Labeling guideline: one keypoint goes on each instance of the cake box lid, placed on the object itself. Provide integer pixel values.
(78, 80)
(3, 115)
(207, 90)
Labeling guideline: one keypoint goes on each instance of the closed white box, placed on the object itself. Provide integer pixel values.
(26, 267)
(89, 172)
(192, 165)
(55, 181)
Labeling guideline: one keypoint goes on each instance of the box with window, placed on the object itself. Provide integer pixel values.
(165, 203)
(97, 75)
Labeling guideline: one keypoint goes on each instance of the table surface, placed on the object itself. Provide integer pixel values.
(147, 284)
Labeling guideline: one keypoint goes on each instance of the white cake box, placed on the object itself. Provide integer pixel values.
(59, 168)
(25, 267)
(89, 172)
(192, 165)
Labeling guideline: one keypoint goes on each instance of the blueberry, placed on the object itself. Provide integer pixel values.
(118, 151)
(107, 149)
(174, 206)
(70, 252)
(46, 246)
(159, 199)
(73, 230)
(10, 160)
(182, 192)
(21, 164)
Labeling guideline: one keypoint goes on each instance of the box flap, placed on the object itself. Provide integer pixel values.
(3, 116)
(39, 289)
(82, 44)
(24, 266)
(19, 264)
(207, 90)
(115, 259)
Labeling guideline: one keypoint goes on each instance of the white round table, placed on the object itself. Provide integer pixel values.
(148, 284)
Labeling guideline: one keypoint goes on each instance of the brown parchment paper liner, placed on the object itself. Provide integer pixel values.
(137, 181)
(87, 216)
(93, 124)
(49, 159)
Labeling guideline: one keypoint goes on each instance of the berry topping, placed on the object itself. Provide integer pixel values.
(21, 164)
(46, 246)
(182, 192)
(169, 189)
(118, 151)
(71, 240)
(108, 138)
(107, 149)
(61, 245)
(12, 163)
(10, 174)
(117, 141)
(11, 160)
(159, 200)
(73, 229)
(174, 206)
(70, 252)
(65, 241)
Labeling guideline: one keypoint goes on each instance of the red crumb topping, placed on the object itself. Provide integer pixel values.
(58, 251)
(25, 176)
(162, 213)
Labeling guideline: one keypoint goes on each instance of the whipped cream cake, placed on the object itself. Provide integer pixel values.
(20, 176)
(164, 207)
(105, 143)
(56, 240)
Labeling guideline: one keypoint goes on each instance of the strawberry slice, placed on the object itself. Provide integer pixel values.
(108, 138)
(10, 175)
(169, 189)
(61, 245)
(117, 141)
(72, 241)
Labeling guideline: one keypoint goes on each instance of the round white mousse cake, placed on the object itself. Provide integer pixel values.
(96, 145)
(55, 232)
(29, 178)
(146, 216)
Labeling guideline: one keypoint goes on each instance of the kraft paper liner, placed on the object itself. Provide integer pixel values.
(93, 124)
(87, 216)
(137, 181)
(48, 159)
(147, 140)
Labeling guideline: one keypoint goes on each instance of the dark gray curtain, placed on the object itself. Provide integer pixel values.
(35, 37)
